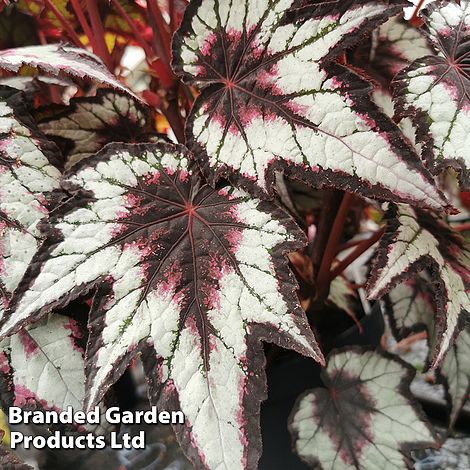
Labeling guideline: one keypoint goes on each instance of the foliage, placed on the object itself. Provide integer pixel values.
(217, 195)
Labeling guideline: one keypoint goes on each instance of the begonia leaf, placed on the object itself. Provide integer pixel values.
(455, 370)
(434, 90)
(60, 60)
(364, 418)
(416, 239)
(411, 307)
(42, 367)
(87, 124)
(392, 46)
(193, 277)
(28, 177)
(273, 98)
(344, 297)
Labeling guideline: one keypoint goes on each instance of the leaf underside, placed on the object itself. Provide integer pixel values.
(364, 418)
(415, 240)
(190, 276)
(274, 99)
(434, 91)
(410, 307)
(60, 60)
(344, 297)
(455, 371)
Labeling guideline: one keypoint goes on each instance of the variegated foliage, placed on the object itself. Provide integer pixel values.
(60, 60)
(191, 276)
(390, 48)
(43, 367)
(183, 249)
(411, 307)
(417, 239)
(274, 98)
(434, 90)
(344, 297)
(28, 178)
(364, 418)
(86, 125)
(395, 45)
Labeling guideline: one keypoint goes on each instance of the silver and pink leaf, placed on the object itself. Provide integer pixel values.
(193, 277)
(43, 367)
(434, 90)
(28, 178)
(61, 60)
(415, 240)
(274, 98)
(364, 418)
(87, 124)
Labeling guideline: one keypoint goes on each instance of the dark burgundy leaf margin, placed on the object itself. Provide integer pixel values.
(42, 367)
(87, 124)
(410, 307)
(434, 91)
(230, 69)
(390, 48)
(455, 374)
(29, 187)
(340, 426)
(416, 239)
(193, 289)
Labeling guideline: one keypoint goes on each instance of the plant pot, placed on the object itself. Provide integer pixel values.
(290, 377)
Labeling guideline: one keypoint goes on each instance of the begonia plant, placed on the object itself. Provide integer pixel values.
(266, 171)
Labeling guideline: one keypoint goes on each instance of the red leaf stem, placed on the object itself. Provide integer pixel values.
(361, 248)
(462, 227)
(65, 23)
(100, 47)
(83, 22)
(323, 278)
(172, 13)
(349, 244)
(415, 20)
(137, 34)
(160, 33)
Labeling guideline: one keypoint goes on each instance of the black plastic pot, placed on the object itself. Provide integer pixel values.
(290, 377)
